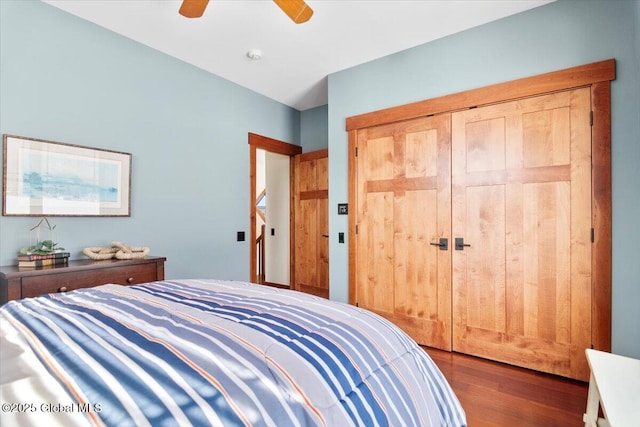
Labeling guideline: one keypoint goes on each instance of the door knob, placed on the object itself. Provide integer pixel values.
(443, 244)
(460, 244)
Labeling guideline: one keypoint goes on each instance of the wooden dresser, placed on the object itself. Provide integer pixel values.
(16, 283)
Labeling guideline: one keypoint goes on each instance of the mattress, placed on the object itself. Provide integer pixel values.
(212, 352)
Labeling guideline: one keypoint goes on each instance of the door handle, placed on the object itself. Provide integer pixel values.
(460, 244)
(325, 235)
(443, 244)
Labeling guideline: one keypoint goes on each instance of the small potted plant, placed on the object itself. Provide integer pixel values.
(44, 252)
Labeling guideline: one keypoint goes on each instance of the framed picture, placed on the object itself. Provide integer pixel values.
(46, 178)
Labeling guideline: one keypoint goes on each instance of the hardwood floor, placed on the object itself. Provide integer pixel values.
(496, 394)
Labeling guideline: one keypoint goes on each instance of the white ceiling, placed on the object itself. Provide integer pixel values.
(296, 58)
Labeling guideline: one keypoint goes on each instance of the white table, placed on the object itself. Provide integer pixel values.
(614, 385)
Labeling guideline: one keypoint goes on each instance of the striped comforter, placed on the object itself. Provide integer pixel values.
(209, 352)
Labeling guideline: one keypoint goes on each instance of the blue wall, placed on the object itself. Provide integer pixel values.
(552, 37)
(65, 79)
(314, 128)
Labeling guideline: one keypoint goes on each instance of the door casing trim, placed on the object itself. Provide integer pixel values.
(279, 147)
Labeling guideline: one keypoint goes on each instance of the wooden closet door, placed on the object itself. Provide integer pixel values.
(521, 185)
(403, 205)
(311, 184)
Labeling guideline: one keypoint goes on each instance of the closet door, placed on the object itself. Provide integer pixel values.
(403, 209)
(311, 244)
(521, 186)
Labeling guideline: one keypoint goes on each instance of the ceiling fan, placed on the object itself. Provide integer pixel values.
(297, 10)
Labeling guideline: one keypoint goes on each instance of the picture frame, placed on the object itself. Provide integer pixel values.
(48, 178)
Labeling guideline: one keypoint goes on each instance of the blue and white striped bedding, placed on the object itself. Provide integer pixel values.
(209, 352)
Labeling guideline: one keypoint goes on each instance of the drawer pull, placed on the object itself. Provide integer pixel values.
(63, 289)
(130, 280)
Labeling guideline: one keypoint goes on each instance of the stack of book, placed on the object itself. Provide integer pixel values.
(37, 260)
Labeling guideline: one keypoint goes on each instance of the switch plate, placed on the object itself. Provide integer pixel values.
(341, 237)
(343, 208)
(240, 236)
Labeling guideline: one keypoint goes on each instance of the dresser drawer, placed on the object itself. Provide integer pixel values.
(16, 282)
(64, 282)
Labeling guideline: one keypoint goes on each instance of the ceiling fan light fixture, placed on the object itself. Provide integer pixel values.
(254, 54)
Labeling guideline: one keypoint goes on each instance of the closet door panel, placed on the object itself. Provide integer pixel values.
(546, 251)
(403, 206)
(375, 257)
(416, 268)
(485, 273)
(375, 241)
(521, 291)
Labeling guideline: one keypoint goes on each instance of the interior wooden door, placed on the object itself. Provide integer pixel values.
(311, 192)
(521, 187)
(403, 210)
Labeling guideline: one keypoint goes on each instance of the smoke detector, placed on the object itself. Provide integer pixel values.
(254, 54)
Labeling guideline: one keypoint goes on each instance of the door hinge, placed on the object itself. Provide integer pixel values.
(356, 153)
(591, 118)
(356, 229)
(593, 235)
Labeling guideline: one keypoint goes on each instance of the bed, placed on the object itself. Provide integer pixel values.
(211, 352)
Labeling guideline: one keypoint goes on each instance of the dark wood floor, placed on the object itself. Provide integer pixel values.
(496, 394)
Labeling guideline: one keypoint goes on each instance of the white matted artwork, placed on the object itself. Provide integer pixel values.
(56, 179)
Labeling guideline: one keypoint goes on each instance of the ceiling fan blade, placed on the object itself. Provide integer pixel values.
(297, 10)
(193, 8)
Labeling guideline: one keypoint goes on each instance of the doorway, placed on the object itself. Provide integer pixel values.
(271, 215)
